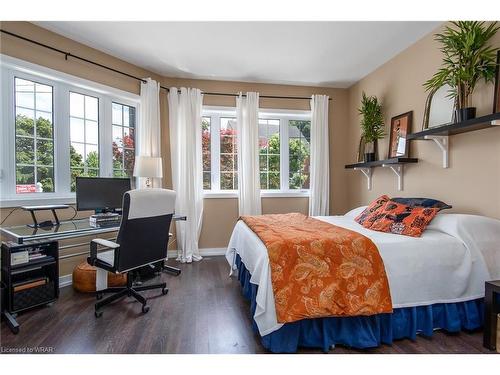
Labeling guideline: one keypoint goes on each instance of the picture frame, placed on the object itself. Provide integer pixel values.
(496, 99)
(398, 140)
(361, 151)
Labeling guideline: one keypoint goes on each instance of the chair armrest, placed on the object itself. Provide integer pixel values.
(107, 243)
(102, 242)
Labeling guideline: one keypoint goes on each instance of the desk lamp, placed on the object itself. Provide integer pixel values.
(149, 167)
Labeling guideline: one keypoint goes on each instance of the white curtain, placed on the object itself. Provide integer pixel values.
(187, 175)
(149, 133)
(247, 125)
(319, 165)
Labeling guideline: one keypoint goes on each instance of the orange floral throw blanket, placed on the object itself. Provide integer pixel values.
(319, 269)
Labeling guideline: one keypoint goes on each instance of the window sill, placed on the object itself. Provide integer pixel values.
(263, 194)
(35, 201)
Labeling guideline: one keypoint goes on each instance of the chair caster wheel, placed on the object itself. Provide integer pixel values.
(98, 295)
(164, 291)
(98, 314)
(145, 308)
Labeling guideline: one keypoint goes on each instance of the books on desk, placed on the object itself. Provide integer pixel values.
(106, 219)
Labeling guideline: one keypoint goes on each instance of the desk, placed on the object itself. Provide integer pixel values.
(66, 229)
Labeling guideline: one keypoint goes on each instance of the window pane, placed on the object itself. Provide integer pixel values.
(128, 137)
(34, 137)
(91, 132)
(25, 99)
(269, 149)
(44, 100)
(117, 114)
(206, 152)
(117, 158)
(84, 135)
(25, 175)
(44, 125)
(76, 152)
(74, 173)
(117, 135)
(91, 108)
(25, 123)
(77, 130)
(45, 177)
(45, 152)
(128, 161)
(76, 105)
(228, 151)
(299, 153)
(123, 148)
(25, 150)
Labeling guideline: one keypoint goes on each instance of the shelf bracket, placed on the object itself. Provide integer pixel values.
(443, 144)
(398, 171)
(368, 173)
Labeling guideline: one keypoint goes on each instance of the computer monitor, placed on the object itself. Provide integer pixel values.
(102, 194)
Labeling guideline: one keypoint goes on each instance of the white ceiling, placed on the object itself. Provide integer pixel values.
(333, 54)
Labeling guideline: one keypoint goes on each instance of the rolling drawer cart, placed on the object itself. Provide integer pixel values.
(30, 277)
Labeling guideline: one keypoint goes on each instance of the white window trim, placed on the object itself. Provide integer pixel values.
(215, 112)
(62, 83)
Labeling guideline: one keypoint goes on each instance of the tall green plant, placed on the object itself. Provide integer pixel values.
(468, 58)
(372, 122)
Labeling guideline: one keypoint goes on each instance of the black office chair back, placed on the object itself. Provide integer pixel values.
(143, 235)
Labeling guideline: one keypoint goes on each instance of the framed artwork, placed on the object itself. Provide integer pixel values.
(400, 128)
(496, 103)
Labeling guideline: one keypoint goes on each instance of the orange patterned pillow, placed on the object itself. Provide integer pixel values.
(371, 210)
(402, 219)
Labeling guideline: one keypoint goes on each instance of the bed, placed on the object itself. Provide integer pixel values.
(436, 281)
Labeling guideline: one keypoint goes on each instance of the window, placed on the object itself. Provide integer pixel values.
(34, 144)
(283, 151)
(269, 158)
(123, 120)
(56, 127)
(299, 151)
(84, 136)
(206, 147)
(228, 154)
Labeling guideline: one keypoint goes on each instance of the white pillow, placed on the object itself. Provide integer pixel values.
(355, 211)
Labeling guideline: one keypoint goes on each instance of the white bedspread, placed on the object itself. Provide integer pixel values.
(445, 265)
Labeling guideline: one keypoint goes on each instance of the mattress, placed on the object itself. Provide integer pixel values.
(445, 265)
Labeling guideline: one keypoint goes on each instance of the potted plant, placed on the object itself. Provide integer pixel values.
(372, 125)
(468, 58)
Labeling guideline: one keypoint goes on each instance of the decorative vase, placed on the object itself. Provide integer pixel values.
(464, 114)
(370, 148)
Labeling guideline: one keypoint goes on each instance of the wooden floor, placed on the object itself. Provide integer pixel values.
(204, 312)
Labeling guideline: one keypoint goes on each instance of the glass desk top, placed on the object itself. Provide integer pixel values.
(66, 229)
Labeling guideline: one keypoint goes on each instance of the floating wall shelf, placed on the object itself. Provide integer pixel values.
(440, 134)
(395, 164)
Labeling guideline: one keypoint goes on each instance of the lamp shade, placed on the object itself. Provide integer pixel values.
(148, 166)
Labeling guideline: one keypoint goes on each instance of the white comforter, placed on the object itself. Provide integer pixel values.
(447, 264)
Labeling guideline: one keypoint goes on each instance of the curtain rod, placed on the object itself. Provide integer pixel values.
(69, 54)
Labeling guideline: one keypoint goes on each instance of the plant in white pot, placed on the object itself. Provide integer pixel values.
(468, 59)
(372, 125)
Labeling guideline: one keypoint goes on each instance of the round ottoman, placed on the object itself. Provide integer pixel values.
(84, 278)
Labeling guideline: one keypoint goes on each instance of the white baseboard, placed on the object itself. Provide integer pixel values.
(206, 252)
(67, 280)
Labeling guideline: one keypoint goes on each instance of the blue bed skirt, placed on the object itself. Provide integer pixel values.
(364, 331)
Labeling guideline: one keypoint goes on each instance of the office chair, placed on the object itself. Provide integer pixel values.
(142, 240)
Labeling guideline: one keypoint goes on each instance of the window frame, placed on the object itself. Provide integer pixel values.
(62, 84)
(283, 115)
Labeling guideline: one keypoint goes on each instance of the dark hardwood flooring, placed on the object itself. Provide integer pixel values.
(204, 312)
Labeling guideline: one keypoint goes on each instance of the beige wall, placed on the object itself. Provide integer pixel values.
(219, 214)
(471, 183)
